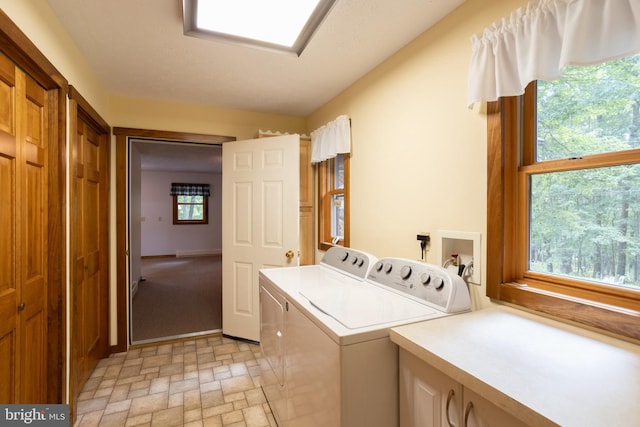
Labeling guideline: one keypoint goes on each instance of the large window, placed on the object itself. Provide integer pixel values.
(563, 207)
(333, 194)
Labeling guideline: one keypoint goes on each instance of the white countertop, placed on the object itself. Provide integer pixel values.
(539, 370)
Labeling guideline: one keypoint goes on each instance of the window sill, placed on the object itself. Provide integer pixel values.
(622, 322)
(324, 246)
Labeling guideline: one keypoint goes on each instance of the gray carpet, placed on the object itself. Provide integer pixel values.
(179, 296)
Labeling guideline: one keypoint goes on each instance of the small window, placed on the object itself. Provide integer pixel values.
(190, 203)
(333, 193)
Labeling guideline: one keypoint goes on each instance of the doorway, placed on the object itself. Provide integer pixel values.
(170, 269)
(175, 264)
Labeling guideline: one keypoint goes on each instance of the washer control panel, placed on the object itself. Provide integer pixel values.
(426, 283)
(347, 260)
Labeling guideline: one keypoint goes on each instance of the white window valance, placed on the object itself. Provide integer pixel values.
(536, 42)
(331, 139)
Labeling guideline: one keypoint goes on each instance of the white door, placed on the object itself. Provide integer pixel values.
(260, 223)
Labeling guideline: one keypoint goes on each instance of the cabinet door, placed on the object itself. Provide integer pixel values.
(479, 412)
(307, 219)
(428, 398)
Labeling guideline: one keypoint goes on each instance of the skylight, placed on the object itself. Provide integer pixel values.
(281, 25)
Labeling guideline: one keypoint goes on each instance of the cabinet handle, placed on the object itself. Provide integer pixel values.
(467, 412)
(450, 397)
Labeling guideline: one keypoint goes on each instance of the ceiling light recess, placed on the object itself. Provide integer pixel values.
(276, 25)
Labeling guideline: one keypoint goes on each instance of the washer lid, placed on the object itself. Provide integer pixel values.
(360, 305)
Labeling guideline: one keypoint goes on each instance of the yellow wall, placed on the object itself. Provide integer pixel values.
(170, 116)
(419, 154)
(418, 160)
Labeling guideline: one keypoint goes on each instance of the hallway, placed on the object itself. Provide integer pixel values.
(208, 381)
(173, 287)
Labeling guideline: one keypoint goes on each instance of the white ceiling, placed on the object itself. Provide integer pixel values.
(137, 48)
(179, 157)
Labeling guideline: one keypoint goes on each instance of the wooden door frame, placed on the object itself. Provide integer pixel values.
(19, 49)
(122, 210)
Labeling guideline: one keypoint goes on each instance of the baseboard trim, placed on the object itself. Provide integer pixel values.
(198, 252)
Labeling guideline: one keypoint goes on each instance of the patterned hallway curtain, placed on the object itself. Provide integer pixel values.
(184, 189)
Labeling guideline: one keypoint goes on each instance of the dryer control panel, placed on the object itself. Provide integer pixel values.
(351, 261)
(426, 283)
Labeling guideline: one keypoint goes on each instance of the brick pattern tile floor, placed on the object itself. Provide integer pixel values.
(207, 381)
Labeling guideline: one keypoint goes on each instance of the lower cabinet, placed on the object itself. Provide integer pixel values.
(429, 398)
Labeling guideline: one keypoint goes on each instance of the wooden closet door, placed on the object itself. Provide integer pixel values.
(23, 218)
(8, 225)
(89, 247)
(32, 310)
(89, 299)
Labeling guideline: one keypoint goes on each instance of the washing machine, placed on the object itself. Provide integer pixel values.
(327, 357)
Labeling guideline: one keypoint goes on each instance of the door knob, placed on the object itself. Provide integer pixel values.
(21, 307)
(289, 254)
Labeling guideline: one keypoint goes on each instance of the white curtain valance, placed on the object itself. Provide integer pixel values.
(331, 139)
(536, 42)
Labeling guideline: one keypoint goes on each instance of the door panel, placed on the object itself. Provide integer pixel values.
(260, 186)
(307, 193)
(92, 245)
(33, 308)
(8, 225)
(7, 367)
(89, 292)
(33, 329)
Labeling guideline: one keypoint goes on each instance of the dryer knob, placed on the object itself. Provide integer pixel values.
(438, 283)
(425, 278)
(354, 260)
(405, 272)
(387, 268)
(361, 262)
(379, 266)
(343, 257)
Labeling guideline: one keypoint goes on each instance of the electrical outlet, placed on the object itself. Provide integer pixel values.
(424, 239)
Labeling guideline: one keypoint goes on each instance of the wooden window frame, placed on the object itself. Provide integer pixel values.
(324, 204)
(205, 207)
(511, 123)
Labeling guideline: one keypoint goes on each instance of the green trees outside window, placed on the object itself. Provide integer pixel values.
(585, 223)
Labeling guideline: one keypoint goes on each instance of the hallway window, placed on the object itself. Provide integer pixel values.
(190, 203)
